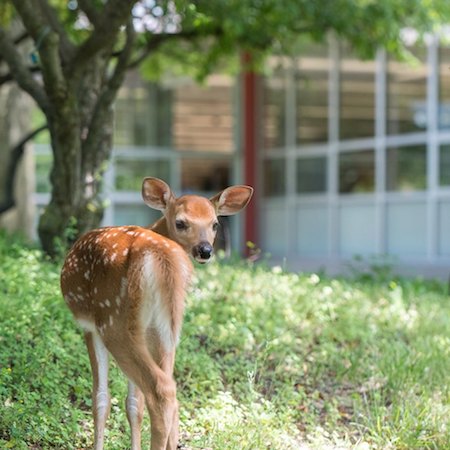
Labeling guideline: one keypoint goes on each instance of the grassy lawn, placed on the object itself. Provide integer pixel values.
(267, 360)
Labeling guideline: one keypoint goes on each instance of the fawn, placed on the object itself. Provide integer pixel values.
(126, 287)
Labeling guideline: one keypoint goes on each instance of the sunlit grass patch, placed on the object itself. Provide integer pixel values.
(267, 360)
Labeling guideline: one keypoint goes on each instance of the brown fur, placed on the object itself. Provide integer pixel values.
(126, 287)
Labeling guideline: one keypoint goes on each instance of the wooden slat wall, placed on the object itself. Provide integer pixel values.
(203, 118)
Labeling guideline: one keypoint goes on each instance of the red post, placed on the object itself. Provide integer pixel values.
(249, 87)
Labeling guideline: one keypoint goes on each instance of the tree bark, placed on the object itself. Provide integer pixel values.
(76, 91)
(81, 149)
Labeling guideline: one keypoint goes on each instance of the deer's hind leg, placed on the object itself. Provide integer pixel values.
(135, 412)
(101, 399)
(165, 360)
(158, 389)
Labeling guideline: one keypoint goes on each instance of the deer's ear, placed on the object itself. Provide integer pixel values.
(232, 200)
(156, 193)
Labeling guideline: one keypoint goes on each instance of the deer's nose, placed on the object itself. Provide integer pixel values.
(202, 252)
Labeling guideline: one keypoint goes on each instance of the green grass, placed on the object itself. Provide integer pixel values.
(267, 360)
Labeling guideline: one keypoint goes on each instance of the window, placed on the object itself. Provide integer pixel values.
(126, 214)
(406, 94)
(357, 172)
(311, 80)
(274, 177)
(130, 173)
(205, 174)
(43, 165)
(142, 115)
(444, 165)
(406, 168)
(312, 175)
(357, 96)
(274, 107)
(444, 88)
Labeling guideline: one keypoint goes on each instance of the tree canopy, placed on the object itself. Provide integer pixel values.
(82, 49)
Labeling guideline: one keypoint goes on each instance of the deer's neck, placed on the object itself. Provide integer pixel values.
(160, 227)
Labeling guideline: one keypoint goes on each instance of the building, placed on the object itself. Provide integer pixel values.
(348, 157)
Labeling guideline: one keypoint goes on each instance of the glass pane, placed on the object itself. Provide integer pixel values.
(312, 175)
(142, 115)
(43, 165)
(444, 226)
(407, 94)
(357, 96)
(312, 230)
(357, 172)
(135, 215)
(205, 175)
(407, 229)
(444, 88)
(406, 168)
(203, 116)
(274, 177)
(312, 95)
(274, 227)
(444, 166)
(129, 174)
(357, 230)
(274, 107)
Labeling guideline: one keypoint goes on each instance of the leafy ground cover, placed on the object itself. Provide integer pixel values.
(267, 360)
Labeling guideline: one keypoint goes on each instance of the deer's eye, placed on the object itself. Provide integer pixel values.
(215, 226)
(181, 225)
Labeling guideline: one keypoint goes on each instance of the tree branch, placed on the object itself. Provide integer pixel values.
(20, 70)
(114, 15)
(18, 40)
(159, 39)
(66, 47)
(109, 92)
(47, 43)
(9, 76)
(16, 155)
(31, 16)
(90, 10)
(117, 78)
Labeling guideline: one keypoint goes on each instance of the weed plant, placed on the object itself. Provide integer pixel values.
(267, 360)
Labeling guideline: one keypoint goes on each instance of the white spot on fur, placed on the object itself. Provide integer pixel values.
(86, 274)
(86, 325)
(111, 321)
(123, 287)
(118, 301)
(125, 252)
(107, 303)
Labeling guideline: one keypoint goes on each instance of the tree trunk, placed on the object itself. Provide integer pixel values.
(81, 139)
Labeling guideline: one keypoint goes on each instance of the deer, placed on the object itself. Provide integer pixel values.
(126, 287)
